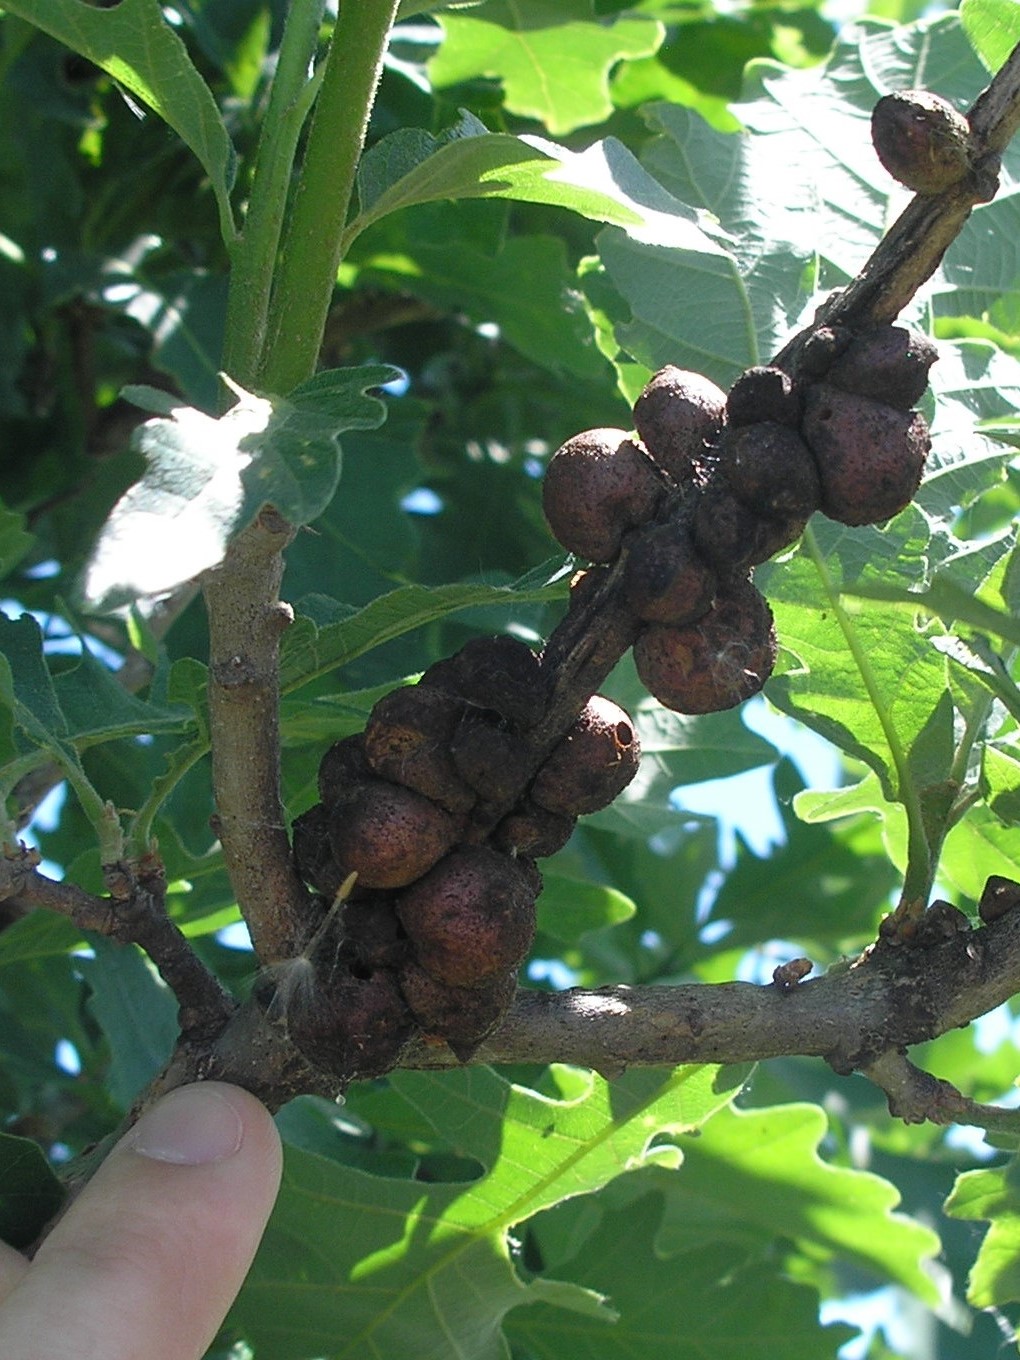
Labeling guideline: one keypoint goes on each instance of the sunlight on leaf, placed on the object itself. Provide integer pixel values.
(207, 478)
(697, 1304)
(552, 56)
(567, 907)
(993, 1196)
(751, 1166)
(403, 1263)
(604, 182)
(993, 27)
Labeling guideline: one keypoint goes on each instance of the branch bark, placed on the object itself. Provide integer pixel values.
(133, 913)
(913, 248)
(246, 620)
(892, 997)
(860, 1016)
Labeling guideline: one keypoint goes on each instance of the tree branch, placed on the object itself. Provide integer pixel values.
(857, 1017)
(915, 1096)
(246, 619)
(134, 913)
(893, 996)
(911, 251)
(599, 628)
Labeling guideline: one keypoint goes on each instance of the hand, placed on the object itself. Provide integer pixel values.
(150, 1256)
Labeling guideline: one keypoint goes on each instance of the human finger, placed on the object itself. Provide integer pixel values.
(152, 1253)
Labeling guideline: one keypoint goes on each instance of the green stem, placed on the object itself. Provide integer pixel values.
(254, 254)
(973, 728)
(101, 814)
(312, 243)
(919, 874)
(139, 838)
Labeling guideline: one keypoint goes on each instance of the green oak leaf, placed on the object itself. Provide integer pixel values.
(39, 935)
(604, 182)
(803, 199)
(527, 289)
(355, 1264)
(681, 1307)
(135, 1010)
(78, 707)
(207, 478)
(975, 385)
(994, 1196)
(312, 648)
(1000, 777)
(978, 846)
(30, 1194)
(553, 56)
(865, 797)
(567, 907)
(867, 678)
(993, 28)
(58, 717)
(754, 1173)
(825, 888)
(134, 43)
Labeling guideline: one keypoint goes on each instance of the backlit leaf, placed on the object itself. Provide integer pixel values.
(552, 56)
(758, 1173)
(678, 1308)
(207, 479)
(994, 1196)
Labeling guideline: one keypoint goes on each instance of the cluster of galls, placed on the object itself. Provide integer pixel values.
(711, 484)
(437, 811)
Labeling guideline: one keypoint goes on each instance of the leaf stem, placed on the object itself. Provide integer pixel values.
(140, 831)
(254, 253)
(919, 873)
(311, 249)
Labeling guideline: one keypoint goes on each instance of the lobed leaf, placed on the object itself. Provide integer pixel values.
(207, 479)
(825, 888)
(801, 200)
(858, 675)
(682, 1308)
(992, 1195)
(80, 706)
(355, 1264)
(553, 56)
(753, 1173)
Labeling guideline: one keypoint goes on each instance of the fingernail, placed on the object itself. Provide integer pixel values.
(192, 1126)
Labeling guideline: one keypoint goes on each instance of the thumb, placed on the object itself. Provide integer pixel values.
(149, 1258)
